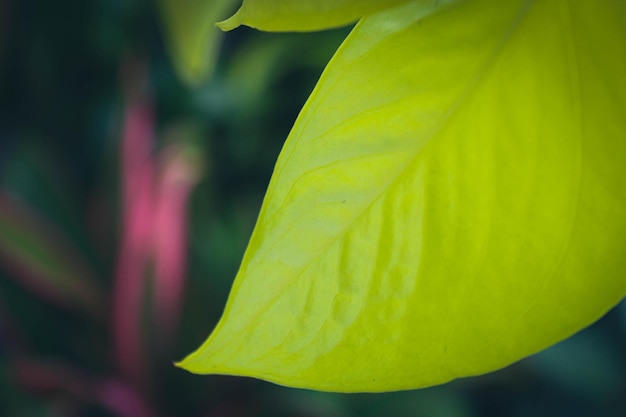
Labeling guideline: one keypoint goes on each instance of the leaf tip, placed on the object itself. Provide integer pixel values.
(195, 363)
(232, 22)
(184, 365)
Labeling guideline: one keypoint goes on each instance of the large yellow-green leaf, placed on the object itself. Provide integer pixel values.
(192, 37)
(305, 15)
(451, 199)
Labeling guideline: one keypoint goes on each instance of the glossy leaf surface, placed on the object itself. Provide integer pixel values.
(451, 199)
(305, 15)
(192, 37)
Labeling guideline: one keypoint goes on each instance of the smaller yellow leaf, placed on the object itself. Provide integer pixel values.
(304, 15)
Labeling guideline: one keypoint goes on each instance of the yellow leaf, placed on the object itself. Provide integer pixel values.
(451, 199)
(305, 15)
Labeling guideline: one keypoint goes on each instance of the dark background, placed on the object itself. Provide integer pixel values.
(62, 104)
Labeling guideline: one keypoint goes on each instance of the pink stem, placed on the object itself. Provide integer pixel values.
(138, 179)
(178, 178)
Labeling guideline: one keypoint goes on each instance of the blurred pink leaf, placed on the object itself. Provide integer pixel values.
(41, 259)
(51, 377)
(179, 175)
(121, 399)
(46, 376)
(155, 192)
(134, 249)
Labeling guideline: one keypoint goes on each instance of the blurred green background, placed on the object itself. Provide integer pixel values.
(71, 71)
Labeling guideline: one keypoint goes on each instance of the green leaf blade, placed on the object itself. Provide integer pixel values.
(450, 200)
(192, 37)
